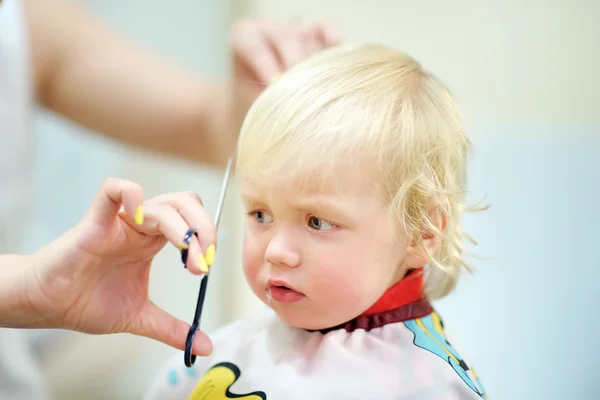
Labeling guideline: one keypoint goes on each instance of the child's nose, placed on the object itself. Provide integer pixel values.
(282, 251)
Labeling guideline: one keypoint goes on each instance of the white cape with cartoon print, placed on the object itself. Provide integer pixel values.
(261, 358)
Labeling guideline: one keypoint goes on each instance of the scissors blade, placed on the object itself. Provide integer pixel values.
(224, 186)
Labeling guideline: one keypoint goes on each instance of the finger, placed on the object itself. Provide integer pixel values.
(163, 219)
(115, 193)
(189, 206)
(251, 49)
(328, 34)
(155, 323)
(310, 41)
(287, 43)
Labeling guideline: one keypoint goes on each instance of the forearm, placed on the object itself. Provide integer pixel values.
(16, 278)
(98, 79)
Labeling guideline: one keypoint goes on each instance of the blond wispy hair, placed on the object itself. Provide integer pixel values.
(372, 106)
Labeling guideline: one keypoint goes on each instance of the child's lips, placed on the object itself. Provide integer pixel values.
(281, 292)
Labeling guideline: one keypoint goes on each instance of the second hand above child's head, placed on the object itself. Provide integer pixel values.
(352, 172)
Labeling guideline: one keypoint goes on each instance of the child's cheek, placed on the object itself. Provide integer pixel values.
(253, 260)
(354, 277)
(251, 257)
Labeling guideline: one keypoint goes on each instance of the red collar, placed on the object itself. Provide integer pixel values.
(401, 302)
(406, 291)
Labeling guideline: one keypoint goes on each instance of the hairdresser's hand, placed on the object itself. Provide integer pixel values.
(94, 279)
(264, 49)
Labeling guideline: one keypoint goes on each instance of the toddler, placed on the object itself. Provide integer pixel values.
(352, 171)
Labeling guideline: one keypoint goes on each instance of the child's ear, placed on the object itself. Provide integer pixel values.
(419, 251)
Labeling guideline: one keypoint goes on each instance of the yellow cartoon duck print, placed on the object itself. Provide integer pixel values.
(216, 384)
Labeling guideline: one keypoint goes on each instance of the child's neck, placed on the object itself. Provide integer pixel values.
(401, 302)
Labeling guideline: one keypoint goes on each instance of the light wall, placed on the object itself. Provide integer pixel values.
(526, 74)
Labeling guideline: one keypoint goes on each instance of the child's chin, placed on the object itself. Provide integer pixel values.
(302, 320)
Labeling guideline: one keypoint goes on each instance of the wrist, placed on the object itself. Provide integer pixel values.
(218, 125)
(18, 286)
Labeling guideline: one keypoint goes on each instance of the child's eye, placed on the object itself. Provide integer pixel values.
(320, 224)
(262, 217)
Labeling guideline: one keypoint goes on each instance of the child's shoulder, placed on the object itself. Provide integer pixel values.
(432, 345)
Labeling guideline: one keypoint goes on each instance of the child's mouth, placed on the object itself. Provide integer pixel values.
(283, 294)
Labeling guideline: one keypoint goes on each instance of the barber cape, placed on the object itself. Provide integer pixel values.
(395, 350)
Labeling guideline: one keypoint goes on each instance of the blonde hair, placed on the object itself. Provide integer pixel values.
(375, 105)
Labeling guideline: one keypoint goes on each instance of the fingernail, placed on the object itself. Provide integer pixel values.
(202, 264)
(139, 215)
(210, 255)
(182, 245)
(275, 77)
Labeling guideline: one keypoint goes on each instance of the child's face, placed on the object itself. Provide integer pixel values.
(320, 257)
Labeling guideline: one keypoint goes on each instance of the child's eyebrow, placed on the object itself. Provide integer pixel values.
(331, 206)
(324, 205)
(250, 198)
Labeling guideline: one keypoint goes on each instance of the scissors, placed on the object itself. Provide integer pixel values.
(190, 358)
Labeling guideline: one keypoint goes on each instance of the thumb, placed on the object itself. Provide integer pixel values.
(155, 323)
(113, 194)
